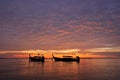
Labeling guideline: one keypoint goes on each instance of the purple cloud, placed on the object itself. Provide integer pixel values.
(57, 24)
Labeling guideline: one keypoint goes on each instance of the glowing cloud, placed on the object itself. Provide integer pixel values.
(105, 49)
(43, 51)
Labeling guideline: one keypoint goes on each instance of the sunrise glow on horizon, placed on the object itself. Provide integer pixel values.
(48, 53)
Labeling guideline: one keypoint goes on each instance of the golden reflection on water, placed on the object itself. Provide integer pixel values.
(86, 69)
(52, 68)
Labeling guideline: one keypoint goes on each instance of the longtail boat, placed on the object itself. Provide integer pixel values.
(37, 58)
(67, 58)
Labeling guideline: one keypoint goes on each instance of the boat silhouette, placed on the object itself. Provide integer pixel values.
(37, 58)
(66, 58)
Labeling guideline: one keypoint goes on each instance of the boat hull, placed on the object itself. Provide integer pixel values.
(66, 59)
(37, 59)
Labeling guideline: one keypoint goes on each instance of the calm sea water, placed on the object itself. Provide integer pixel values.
(87, 69)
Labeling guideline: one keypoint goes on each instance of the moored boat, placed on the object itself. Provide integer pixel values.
(67, 58)
(36, 58)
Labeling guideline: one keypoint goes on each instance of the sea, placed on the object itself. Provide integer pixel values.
(86, 69)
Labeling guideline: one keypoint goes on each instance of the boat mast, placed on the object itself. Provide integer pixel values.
(29, 55)
(38, 54)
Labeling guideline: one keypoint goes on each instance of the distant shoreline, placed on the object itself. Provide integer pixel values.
(52, 58)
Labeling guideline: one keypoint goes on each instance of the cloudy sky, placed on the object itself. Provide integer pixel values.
(84, 25)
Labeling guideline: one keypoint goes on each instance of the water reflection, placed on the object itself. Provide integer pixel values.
(35, 70)
(55, 70)
(87, 69)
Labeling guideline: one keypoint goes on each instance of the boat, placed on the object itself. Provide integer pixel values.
(67, 58)
(37, 58)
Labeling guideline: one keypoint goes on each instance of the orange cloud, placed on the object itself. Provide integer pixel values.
(105, 49)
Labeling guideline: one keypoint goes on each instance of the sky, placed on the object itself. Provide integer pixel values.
(83, 26)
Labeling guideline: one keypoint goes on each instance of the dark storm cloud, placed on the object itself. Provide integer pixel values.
(59, 24)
